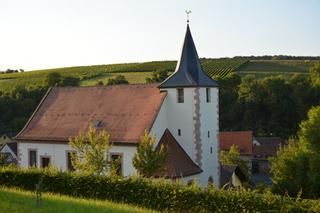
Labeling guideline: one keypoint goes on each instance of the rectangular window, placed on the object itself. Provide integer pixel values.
(69, 162)
(116, 160)
(208, 95)
(45, 161)
(179, 132)
(180, 95)
(208, 134)
(32, 158)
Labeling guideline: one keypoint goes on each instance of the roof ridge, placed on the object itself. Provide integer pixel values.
(34, 113)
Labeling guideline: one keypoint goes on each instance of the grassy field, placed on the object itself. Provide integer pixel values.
(137, 72)
(275, 67)
(12, 200)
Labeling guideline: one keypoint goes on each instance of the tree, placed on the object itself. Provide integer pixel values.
(148, 159)
(232, 157)
(53, 79)
(315, 75)
(70, 81)
(289, 169)
(296, 168)
(91, 151)
(158, 76)
(310, 129)
(119, 79)
(2, 159)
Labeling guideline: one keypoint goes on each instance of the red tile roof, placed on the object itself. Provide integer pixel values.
(177, 163)
(243, 139)
(125, 111)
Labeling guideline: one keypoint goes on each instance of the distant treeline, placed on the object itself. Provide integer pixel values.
(270, 57)
(11, 71)
(279, 57)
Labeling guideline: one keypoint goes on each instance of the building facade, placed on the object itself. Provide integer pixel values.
(181, 112)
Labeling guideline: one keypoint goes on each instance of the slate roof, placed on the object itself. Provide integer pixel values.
(226, 172)
(268, 147)
(188, 72)
(125, 111)
(177, 163)
(13, 147)
(243, 139)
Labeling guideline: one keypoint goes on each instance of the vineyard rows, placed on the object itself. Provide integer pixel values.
(221, 67)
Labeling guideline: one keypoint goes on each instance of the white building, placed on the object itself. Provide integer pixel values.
(182, 112)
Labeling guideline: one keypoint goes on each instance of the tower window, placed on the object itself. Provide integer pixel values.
(208, 134)
(208, 95)
(210, 149)
(180, 95)
(179, 132)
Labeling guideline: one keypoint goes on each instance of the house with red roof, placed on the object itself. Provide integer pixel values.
(182, 113)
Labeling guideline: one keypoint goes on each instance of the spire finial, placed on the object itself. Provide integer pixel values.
(188, 12)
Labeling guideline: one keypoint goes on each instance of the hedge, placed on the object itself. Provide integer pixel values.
(158, 195)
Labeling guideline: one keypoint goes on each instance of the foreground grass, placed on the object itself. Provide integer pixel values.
(13, 200)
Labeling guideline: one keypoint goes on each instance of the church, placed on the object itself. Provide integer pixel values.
(181, 112)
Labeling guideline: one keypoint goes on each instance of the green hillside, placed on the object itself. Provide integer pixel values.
(134, 72)
(137, 72)
(276, 67)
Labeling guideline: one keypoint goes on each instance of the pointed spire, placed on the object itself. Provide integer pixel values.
(188, 72)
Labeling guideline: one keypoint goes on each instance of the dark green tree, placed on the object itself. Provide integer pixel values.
(70, 81)
(53, 79)
(119, 79)
(158, 76)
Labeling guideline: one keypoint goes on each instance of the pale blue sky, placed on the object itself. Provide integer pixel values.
(38, 34)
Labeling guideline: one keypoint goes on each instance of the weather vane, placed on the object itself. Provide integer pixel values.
(188, 12)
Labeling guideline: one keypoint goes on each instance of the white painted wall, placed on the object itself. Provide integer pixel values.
(210, 122)
(58, 155)
(180, 116)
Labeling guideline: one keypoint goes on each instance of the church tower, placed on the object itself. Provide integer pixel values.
(192, 106)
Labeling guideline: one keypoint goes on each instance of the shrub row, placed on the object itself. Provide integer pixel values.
(159, 195)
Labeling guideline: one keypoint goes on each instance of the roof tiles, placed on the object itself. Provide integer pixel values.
(124, 111)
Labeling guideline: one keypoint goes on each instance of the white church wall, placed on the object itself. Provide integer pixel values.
(58, 155)
(180, 116)
(209, 136)
(160, 124)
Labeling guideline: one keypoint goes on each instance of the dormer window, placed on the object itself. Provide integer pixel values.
(208, 95)
(180, 95)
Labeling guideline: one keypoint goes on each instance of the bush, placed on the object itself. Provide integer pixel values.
(119, 79)
(159, 195)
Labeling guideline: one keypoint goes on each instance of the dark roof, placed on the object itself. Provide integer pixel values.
(188, 72)
(177, 163)
(124, 111)
(268, 147)
(243, 139)
(226, 172)
(13, 147)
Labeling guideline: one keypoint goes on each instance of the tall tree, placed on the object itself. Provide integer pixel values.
(232, 157)
(148, 159)
(296, 167)
(91, 151)
(315, 74)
